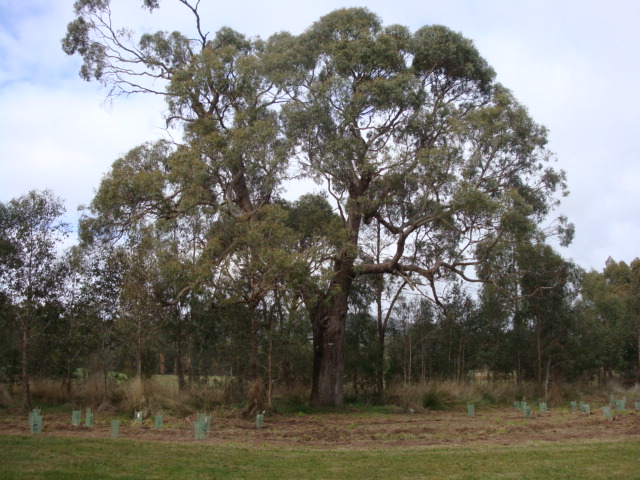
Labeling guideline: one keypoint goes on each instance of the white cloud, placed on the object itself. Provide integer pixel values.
(65, 140)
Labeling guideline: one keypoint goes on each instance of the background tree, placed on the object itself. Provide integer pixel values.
(33, 227)
(548, 289)
(610, 308)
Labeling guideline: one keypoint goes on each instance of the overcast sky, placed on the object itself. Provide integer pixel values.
(575, 64)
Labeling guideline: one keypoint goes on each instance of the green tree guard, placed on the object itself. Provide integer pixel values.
(115, 426)
(158, 421)
(88, 421)
(199, 430)
(471, 410)
(259, 421)
(35, 422)
(75, 417)
(606, 412)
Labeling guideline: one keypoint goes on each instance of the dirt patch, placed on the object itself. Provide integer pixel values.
(358, 430)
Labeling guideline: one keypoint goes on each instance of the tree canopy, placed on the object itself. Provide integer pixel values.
(406, 134)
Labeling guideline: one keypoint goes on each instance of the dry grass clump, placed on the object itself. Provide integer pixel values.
(256, 398)
(448, 394)
(133, 395)
(5, 397)
(95, 391)
(49, 391)
(163, 395)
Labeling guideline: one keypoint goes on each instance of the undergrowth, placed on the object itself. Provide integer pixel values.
(161, 395)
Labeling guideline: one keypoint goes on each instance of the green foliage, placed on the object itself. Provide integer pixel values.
(611, 309)
(419, 150)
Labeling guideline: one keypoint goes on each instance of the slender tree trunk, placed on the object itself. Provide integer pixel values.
(547, 379)
(410, 369)
(638, 345)
(381, 341)
(254, 343)
(26, 392)
(190, 363)
(139, 351)
(182, 385)
(68, 379)
(539, 350)
(270, 369)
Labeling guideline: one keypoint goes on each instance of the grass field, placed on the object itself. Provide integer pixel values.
(42, 457)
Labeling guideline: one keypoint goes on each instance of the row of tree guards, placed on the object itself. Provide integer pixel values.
(202, 425)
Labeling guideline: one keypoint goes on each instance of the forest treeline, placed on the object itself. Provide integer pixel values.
(93, 310)
(424, 250)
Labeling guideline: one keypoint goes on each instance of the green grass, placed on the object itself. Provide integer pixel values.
(44, 457)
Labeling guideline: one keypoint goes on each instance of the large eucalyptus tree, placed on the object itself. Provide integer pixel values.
(408, 133)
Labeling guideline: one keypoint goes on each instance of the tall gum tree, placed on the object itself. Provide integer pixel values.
(408, 133)
(232, 156)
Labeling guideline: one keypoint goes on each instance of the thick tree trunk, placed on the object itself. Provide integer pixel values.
(329, 348)
(329, 345)
(329, 315)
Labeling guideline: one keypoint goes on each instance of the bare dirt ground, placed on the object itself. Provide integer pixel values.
(358, 430)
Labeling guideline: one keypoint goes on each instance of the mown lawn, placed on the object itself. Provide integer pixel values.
(46, 457)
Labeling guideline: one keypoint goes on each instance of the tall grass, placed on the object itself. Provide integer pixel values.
(446, 395)
(161, 395)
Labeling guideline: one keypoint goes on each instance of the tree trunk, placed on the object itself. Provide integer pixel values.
(253, 373)
(329, 348)
(328, 320)
(68, 379)
(539, 350)
(26, 393)
(139, 351)
(329, 314)
(380, 369)
(190, 363)
(638, 345)
(182, 385)
(381, 343)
